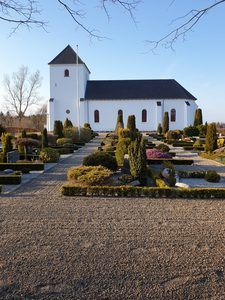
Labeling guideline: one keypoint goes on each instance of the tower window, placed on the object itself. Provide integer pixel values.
(173, 115)
(96, 116)
(144, 115)
(159, 103)
(66, 73)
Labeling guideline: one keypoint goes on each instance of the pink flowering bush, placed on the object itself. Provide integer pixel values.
(155, 153)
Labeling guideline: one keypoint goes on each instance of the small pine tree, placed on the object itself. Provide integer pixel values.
(119, 123)
(23, 133)
(2, 129)
(198, 117)
(211, 138)
(6, 144)
(131, 125)
(58, 129)
(159, 129)
(165, 122)
(137, 159)
(67, 124)
(44, 138)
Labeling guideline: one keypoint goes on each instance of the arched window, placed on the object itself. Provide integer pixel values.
(96, 116)
(66, 73)
(144, 115)
(173, 115)
(120, 112)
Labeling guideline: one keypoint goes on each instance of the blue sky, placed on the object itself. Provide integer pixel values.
(198, 63)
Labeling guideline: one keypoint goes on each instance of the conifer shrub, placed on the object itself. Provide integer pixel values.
(85, 134)
(137, 159)
(87, 125)
(64, 141)
(58, 129)
(211, 138)
(101, 159)
(131, 125)
(123, 133)
(212, 176)
(89, 175)
(159, 129)
(198, 144)
(44, 138)
(202, 130)
(163, 148)
(49, 155)
(166, 122)
(2, 130)
(119, 123)
(174, 134)
(191, 131)
(23, 134)
(198, 117)
(122, 149)
(67, 124)
(6, 144)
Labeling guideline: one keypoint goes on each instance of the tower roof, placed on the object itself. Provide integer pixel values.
(67, 56)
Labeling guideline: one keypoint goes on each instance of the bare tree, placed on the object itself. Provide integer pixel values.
(188, 23)
(22, 90)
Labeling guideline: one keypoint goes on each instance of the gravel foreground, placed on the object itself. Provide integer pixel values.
(83, 248)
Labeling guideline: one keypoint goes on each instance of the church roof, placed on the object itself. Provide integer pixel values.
(67, 56)
(136, 89)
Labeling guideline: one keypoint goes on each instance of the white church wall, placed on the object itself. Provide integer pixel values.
(63, 91)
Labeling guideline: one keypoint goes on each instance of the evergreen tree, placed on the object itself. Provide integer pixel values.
(137, 159)
(165, 122)
(23, 133)
(131, 125)
(211, 138)
(159, 129)
(2, 129)
(6, 144)
(119, 123)
(44, 138)
(198, 117)
(58, 129)
(67, 124)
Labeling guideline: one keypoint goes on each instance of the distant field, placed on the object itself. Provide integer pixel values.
(70, 248)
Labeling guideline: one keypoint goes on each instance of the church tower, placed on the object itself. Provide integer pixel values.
(68, 80)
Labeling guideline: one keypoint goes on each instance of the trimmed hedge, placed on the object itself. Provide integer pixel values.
(189, 148)
(152, 192)
(182, 144)
(10, 179)
(22, 166)
(174, 161)
(191, 174)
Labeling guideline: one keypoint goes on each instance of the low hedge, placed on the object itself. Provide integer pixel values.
(65, 151)
(151, 192)
(10, 179)
(157, 161)
(191, 174)
(192, 148)
(22, 166)
(182, 144)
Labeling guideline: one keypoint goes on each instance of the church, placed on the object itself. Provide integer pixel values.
(98, 102)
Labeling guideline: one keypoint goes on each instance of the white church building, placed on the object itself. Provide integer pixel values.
(98, 102)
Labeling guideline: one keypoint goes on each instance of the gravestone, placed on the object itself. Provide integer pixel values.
(13, 156)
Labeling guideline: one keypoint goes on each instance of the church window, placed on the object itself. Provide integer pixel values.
(120, 112)
(96, 116)
(173, 115)
(66, 73)
(68, 111)
(159, 103)
(144, 115)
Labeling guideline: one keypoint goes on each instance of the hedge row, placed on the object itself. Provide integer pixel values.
(21, 166)
(191, 174)
(10, 179)
(192, 148)
(152, 192)
(182, 144)
(172, 160)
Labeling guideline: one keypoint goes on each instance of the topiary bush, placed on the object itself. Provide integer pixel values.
(191, 131)
(44, 138)
(174, 134)
(73, 133)
(2, 130)
(49, 155)
(6, 144)
(212, 176)
(198, 144)
(165, 122)
(101, 159)
(58, 129)
(163, 148)
(63, 141)
(124, 133)
(89, 175)
(159, 129)
(198, 117)
(211, 138)
(121, 150)
(67, 124)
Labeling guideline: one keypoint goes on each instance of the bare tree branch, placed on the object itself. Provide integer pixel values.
(190, 20)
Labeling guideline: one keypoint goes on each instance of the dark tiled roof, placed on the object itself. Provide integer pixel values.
(67, 56)
(136, 89)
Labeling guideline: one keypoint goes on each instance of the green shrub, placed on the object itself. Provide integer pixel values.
(23, 134)
(52, 139)
(119, 123)
(121, 150)
(211, 138)
(137, 159)
(124, 133)
(191, 131)
(198, 117)
(220, 142)
(202, 130)
(73, 133)
(87, 125)
(49, 155)
(2, 130)
(191, 174)
(108, 148)
(126, 178)
(6, 144)
(159, 129)
(174, 134)
(165, 122)
(101, 159)
(44, 138)
(160, 183)
(65, 150)
(131, 125)
(58, 129)
(212, 176)
(163, 148)
(63, 141)
(89, 175)
(10, 179)
(67, 124)
(32, 135)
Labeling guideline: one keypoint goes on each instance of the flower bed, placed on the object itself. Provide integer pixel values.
(154, 192)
